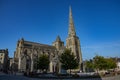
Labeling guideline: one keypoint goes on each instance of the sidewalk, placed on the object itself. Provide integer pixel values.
(1, 73)
(19, 73)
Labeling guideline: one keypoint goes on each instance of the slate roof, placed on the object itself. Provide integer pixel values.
(30, 44)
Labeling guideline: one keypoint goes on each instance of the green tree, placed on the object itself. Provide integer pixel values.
(89, 65)
(43, 62)
(68, 60)
(101, 63)
(111, 63)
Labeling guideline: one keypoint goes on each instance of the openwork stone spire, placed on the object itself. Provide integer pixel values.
(71, 24)
(72, 41)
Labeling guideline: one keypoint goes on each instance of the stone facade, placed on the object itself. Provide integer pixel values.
(28, 52)
(10, 62)
(118, 63)
(4, 59)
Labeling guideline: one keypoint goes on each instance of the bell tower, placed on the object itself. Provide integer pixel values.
(72, 41)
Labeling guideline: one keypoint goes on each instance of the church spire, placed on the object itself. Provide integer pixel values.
(71, 24)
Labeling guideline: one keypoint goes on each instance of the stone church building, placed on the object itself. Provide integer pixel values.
(28, 52)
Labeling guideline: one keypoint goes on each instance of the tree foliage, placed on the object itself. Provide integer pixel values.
(43, 62)
(101, 63)
(89, 65)
(111, 63)
(68, 60)
(104, 63)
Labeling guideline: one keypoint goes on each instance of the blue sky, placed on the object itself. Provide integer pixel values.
(97, 24)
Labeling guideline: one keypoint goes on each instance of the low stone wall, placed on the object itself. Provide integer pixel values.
(117, 77)
(105, 78)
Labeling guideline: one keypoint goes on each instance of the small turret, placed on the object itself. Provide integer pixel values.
(58, 43)
(58, 38)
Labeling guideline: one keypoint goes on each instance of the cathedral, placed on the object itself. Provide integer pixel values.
(27, 52)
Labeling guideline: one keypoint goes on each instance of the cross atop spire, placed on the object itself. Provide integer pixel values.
(71, 24)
